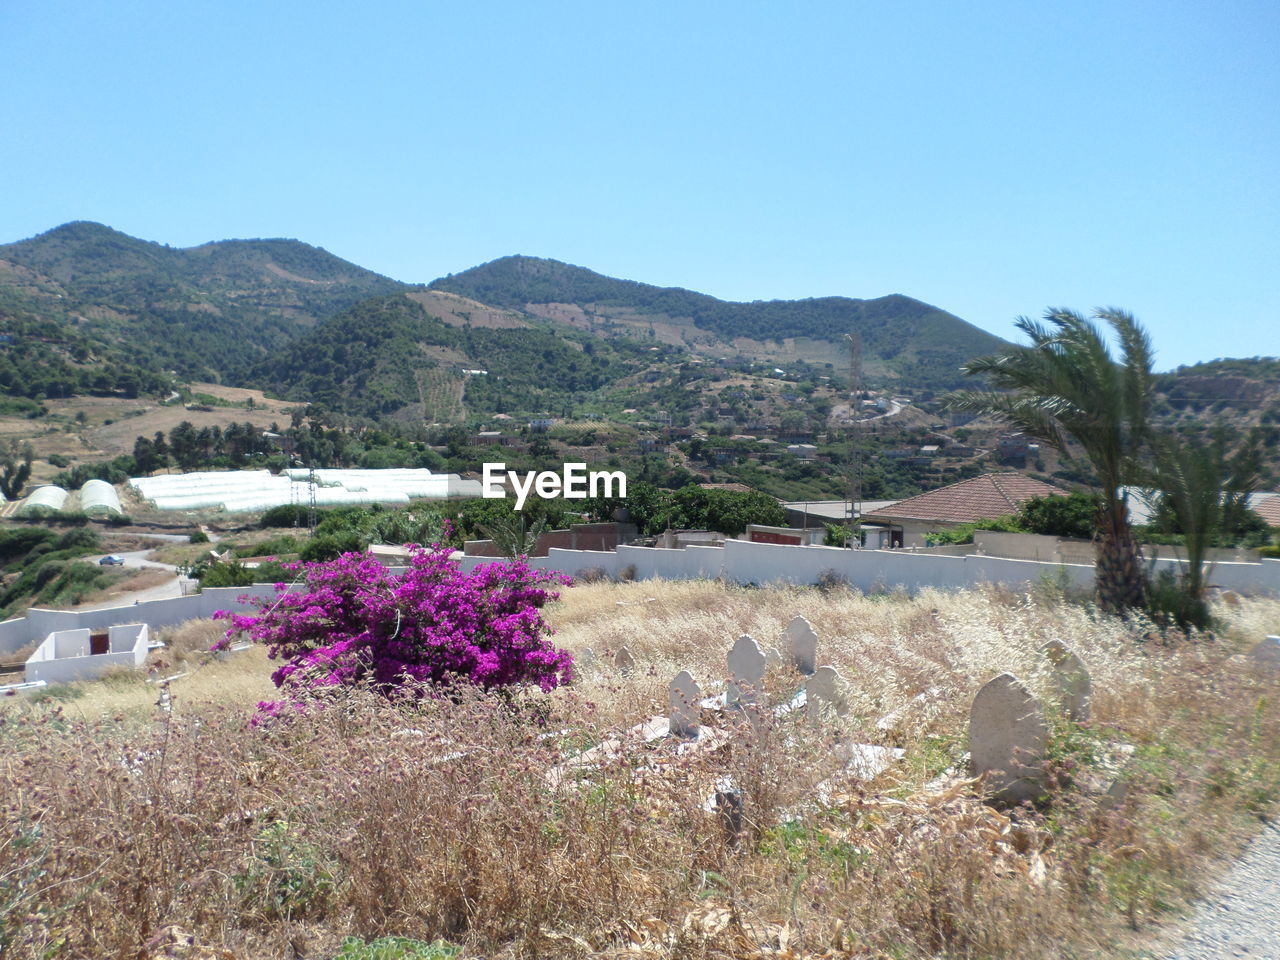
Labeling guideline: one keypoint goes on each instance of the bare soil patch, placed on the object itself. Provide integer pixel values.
(458, 311)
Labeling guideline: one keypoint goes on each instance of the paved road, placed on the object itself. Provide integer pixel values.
(136, 559)
(1241, 917)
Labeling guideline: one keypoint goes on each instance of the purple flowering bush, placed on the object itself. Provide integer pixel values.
(356, 623)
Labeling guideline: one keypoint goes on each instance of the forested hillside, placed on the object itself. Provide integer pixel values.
(388, 356)
(921, 344)
(206, 312)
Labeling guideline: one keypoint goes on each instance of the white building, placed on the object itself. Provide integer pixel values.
(67, 655)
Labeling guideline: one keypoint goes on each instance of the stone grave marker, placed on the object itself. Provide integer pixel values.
(1069, 680)
(586, 661)
(801, 644)
(823, 687)
(684, 697)
(1267, 653)
(1007, 737)
(771, 657)
(746, 671)
(624, 661)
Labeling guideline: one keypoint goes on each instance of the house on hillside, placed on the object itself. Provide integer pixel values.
(1015, 448)
(969, 501)
(1267, 506)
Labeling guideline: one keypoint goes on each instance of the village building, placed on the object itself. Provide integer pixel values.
(969, 501)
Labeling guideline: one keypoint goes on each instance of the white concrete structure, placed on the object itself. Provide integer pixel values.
(38, 624)
(78, 654)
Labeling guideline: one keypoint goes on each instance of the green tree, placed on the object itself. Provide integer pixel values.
(1071, 516)
(1065, 386)
(1204, 492)
(513, 535)
(15, 470)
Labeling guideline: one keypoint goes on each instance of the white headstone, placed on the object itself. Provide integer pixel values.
(823, 687)
(801, 644)
(1267, 652)
(1007, 736)
(746, 670)
(624, 661)
(586, 661)
(1069, 680)
(684, 698)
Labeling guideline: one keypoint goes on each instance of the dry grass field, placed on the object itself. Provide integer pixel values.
(477, 819)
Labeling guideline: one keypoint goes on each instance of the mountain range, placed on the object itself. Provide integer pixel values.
(85, 308)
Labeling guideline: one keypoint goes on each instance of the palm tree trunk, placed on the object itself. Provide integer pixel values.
(1121, 579)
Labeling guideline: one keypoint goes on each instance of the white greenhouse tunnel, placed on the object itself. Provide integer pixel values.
(98, 496)
(256, 490)
(48, 497)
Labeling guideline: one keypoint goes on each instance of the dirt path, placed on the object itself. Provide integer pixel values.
(1241, 917)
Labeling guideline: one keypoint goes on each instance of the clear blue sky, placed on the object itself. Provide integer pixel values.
(990, 158)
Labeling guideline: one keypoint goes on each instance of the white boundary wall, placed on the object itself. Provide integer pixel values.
(869, 570)
(737, 561)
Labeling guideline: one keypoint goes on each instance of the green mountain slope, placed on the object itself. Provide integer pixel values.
(205, 312)
(903, 339)
(389, 357)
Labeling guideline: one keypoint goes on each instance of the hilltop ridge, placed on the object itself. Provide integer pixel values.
(902, 338)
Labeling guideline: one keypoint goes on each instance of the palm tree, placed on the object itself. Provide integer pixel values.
(513, 536)
(1204, 490)
(1066, 387)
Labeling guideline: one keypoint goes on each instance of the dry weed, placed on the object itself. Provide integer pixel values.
(462, 818)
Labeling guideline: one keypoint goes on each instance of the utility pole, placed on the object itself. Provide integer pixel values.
(854, 465)
(311, 496)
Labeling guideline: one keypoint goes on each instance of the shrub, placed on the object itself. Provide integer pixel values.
(230, 574)
(331, 546)
(78, 539)
(1074, 515)
(198, 536)
(832, 579)
(358, 624)
(837, 535)
(288, 515)
(286, 877)
(395, 948)
(1171, 604)
(963, 533)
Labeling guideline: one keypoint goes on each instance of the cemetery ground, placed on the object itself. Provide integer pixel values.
(566, 825)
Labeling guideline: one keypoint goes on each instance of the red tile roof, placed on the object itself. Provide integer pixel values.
(984, 497)
(1269, 510)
